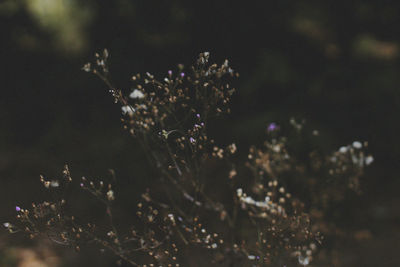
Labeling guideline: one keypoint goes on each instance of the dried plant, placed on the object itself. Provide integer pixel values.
(271, 211)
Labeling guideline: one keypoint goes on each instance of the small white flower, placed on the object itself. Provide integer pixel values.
(276, 148)
(171, 217)
(343, 149)
(110, 234)
(6, 224)
(369, 159)
(110, 195)
(87, 67)
(251, 257)
(149, 75)
(357, 144)
(239, 192)
(249, 200)
(226, 63)
(54, 183)
(46, 184)
(136, 94)
(214, 245)
(304, 260)
(127, 110)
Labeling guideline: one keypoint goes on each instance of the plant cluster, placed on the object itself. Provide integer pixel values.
(272, 208)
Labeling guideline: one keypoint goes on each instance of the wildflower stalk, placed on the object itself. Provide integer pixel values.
(170, 120)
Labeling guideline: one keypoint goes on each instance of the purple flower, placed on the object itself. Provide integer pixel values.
(182, 74)
(191, 139)
(81, 184)
(198, 115)
(170, 72)
(272, 127)
(17, 208)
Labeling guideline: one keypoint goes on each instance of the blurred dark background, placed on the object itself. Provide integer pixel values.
(334, 63)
